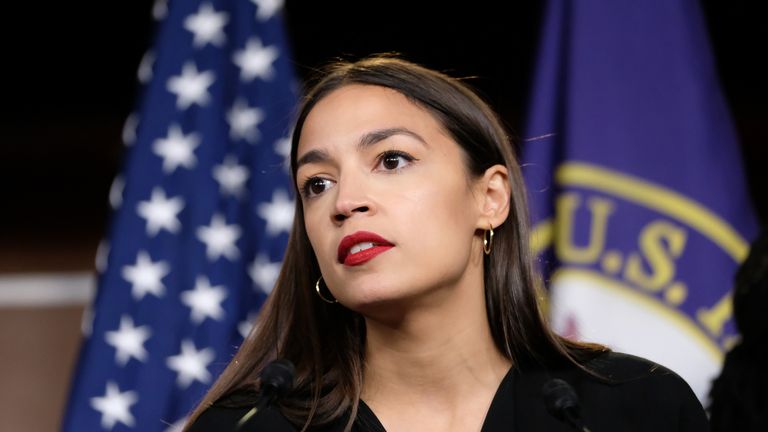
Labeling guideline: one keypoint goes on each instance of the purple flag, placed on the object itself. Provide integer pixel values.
(639, 199)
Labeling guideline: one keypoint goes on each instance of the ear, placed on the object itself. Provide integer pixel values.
(493, 194)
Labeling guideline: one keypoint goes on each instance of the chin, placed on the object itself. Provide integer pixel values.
(368, 296)
(369, 299)
(381, 304)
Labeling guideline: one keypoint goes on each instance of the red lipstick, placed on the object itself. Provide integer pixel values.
(380, 245)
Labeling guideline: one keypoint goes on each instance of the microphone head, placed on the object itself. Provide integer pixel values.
(560, 399)
(277, 377)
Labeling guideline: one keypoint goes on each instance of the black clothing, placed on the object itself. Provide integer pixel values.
(634, 394)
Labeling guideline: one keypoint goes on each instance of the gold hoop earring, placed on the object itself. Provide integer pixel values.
(488, 239)
(317, 288)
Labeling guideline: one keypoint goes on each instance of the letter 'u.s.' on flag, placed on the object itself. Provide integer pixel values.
(640, 207)
(201, 216)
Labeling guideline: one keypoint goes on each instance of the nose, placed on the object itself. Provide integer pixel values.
(351, 199)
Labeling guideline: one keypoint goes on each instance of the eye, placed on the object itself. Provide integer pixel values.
(314, 186)
(394, 160)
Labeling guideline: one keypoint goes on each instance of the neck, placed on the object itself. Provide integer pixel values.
(437, 353)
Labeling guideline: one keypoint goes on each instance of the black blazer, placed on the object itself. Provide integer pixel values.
(636, 395)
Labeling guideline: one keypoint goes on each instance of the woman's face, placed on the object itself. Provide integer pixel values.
(389, 208)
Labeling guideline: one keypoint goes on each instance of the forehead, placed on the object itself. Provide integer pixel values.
(349, 111)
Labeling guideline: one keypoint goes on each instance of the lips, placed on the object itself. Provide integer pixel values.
(361, 247)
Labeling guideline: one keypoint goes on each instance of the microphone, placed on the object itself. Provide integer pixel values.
(276, 380)
(562, 403)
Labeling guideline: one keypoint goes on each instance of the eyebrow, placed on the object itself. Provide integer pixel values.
(366, 141)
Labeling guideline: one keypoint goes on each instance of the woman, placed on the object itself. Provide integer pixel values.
(407, 298)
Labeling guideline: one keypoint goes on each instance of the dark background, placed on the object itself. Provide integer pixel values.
(70, 82)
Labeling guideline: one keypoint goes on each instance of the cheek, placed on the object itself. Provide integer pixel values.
(312, 224)
(440, 214)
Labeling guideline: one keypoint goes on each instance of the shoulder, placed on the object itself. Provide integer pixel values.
(618, 391)
(636, 374)
(620, 368)
(644, 392)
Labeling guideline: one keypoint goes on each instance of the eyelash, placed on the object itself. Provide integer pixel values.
(394, 153)
(305, 187)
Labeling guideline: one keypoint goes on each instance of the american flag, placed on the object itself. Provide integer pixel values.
(202, 209)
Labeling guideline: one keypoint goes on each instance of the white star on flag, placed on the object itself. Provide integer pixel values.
(160, 9)
(115, 406)
(244, 121)
(116, 191)
(190, 364)
(265, 9)
(129, 129)
(264, 273)
(161, 212)
(207, 25)
(204, 300)
(245, 326)
(145, 71)
(191, 87)
(220, 238)
(231, 176)
(283, 148)
(178, 425)
(146, 276)
(102, 256)
(177, 149)
(278, 213)
(86, 322)
(256, 60)
(128, 341)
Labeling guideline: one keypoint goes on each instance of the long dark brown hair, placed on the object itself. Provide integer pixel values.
(326, 342)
